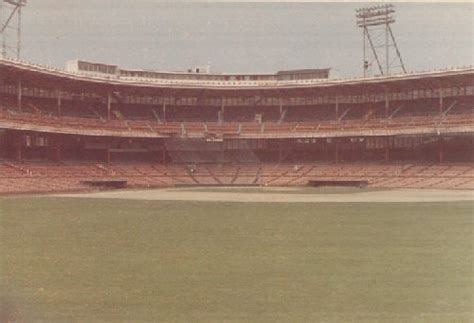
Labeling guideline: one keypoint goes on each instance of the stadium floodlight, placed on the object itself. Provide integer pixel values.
(12, 9)
(16, 3)
(367, 19)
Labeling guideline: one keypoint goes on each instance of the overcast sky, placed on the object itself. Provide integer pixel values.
(233, 37)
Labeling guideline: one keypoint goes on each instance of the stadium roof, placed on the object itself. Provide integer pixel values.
(56, 77)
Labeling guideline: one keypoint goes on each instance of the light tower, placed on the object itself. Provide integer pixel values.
(10, 10)
(378, 19)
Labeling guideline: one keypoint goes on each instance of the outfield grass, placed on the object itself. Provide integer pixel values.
(92, 260)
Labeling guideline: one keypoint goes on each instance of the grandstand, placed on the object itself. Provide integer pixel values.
(61, 130)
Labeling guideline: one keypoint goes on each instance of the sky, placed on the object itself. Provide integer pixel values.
(238, 37)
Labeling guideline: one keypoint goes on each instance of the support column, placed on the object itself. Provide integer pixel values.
(281, 106)
(337, 107)
(387, 154)
(19, 152)
(56, 140)
(387, 103)
(109, 105)
(441, 149)
(325, 151)
(164, 111)
(336, 154)
(222, 151)
(59, 102)
(222, 109)
(20, 94)
(280, 154)
(107, 155)
(57, 151)
(163, 156)
(441, 101)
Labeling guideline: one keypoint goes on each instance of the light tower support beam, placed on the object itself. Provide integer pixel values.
(18, 33)
(376, 16)
(13, 9)
(373, 50)
(5, 25)
(396, 50)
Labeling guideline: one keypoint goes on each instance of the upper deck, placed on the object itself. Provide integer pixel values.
(286, 80)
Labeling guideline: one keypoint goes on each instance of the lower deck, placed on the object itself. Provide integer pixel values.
(41, 177)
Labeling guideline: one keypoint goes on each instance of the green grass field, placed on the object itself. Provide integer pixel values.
(93, 260)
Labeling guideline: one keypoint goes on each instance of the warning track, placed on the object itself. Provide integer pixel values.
(269, 195)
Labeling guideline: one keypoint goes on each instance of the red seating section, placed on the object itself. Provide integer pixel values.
(49, 177)
(200, 129)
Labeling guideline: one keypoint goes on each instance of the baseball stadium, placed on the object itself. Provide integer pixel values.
(142, 195)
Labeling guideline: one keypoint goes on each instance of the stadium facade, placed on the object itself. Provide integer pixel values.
(97, 124)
